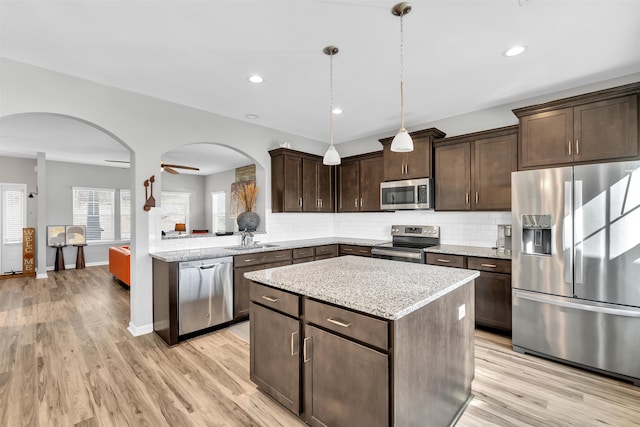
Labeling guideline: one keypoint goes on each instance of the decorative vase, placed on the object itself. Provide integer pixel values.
(248, 221)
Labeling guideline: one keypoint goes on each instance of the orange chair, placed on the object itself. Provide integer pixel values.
(120, 263)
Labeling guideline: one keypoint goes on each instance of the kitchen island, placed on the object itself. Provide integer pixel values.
(354, 341)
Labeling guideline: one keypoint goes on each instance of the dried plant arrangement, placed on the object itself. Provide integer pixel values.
(248, 194)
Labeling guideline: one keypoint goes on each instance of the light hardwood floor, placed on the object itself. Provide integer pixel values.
(66, 358)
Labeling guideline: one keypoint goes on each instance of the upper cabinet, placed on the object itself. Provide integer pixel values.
(414, 164)
(473, 171)
(300, 182)
(595, 127)
(359, 179)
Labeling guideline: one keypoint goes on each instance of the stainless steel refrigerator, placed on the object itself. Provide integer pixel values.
(576, 265)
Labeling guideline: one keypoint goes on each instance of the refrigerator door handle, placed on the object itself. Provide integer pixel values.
(584, 305)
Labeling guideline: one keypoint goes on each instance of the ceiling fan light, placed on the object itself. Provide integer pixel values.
(402, 142)
(331, 157)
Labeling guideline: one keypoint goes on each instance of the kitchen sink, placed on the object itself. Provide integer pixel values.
(245, 247)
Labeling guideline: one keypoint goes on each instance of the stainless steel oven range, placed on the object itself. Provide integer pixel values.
(408, 243)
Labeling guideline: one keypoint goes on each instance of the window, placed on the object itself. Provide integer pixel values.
(125, 214)
(13, 215)
(174, 209)
(94, 208)
(218, 211)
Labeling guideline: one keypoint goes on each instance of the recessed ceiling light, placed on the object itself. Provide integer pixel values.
(255, 78)
(251, 116)
(337, 110)
(515, 51)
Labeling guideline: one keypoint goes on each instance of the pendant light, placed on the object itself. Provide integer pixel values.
(331, 157)
(402, 141)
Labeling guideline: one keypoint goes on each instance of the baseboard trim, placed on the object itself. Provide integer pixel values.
(137, 331)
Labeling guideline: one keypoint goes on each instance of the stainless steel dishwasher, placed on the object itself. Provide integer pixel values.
(205, 294)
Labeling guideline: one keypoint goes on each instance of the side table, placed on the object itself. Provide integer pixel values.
(80, 256)
(59, 258)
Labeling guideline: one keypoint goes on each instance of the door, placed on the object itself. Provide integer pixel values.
(346, 384)
(546, 138)
(606, 129)
(275, 355)
(607, 232)
(371, 175)
(325, 190)
(292, 184)
(494, 160)
(349, 191)
(13, 213)
(394, 164)
(453, 177)
(544, 197)
(310, 199)
(418, 162)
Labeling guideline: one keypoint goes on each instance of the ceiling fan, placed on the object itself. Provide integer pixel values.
(165, 167)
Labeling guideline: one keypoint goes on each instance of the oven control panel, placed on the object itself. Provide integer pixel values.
(416, 230)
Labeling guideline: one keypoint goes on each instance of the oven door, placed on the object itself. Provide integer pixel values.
(417, 257)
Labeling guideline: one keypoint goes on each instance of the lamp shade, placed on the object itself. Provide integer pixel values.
(331, 157)
(402, 142)
(181, 227)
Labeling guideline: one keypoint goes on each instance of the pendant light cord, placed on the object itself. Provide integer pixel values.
(402, 129)
(331, 99)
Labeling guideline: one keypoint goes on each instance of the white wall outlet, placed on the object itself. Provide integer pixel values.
(462, 311)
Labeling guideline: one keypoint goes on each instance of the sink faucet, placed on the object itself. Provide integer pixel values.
(247, 238)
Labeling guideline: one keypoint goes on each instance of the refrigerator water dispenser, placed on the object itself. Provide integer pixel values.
(536, 234)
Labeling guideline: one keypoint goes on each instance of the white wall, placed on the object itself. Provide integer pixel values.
(14, 170)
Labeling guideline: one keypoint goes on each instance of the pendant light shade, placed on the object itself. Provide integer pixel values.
(331, 157)
(402, 142)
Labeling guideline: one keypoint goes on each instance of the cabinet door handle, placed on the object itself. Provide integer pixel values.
(443, 260)
(293, 342)
(360, 201)
(347, 249)
(249, 260)
(577, 147)
(321, 203)
(476, 197)
(569, 146)
(355, 203)
(300, 201)
(406, 168)
(466, 198)
(268, 298)
(489, 265)
(363, 251)
(339, 322)
(304, 350)
(279, 256)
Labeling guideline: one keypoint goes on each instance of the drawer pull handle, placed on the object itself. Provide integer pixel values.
(304, 350)
(363, 251)
(339, 322)
(279, 256)
(489, 265)
(249, 259)
(268, 298)
(443, 260)
(347, 249)
(293, 342)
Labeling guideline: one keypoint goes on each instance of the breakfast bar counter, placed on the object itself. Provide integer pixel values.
(354, 341)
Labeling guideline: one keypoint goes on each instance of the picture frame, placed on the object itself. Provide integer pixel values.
(76, 235)
(56, 235)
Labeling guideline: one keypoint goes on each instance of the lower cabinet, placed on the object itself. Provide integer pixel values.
(345, 383)
(492, 288)
(354, 250)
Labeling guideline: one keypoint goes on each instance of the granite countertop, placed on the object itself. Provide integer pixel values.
(217, 252)
(469, 251)
(383, 288)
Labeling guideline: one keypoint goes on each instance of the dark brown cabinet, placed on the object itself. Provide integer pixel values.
(275, 355)
(326, 251)
(357, 250)
(594, 127)
(346, 384)
(252, 262)
(473, 171)
(359, 179)
(492, 288)
(300, 182)
(415, 164)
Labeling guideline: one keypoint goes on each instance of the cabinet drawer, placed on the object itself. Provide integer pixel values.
(489, 264)
(446, 260)
(326, 251)
(276, 299)
(277, 256)
(354, 325)
(303, 253)
(355, 250)
(303, 260)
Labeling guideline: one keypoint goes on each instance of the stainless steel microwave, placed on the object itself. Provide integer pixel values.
(406, 194)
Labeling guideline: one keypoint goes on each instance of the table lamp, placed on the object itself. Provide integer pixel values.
(181, 228)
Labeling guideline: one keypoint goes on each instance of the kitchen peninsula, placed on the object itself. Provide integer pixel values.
(354, 341)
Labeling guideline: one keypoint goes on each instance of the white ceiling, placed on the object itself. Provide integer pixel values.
(200, 53)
